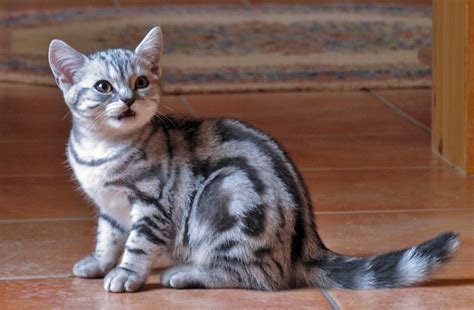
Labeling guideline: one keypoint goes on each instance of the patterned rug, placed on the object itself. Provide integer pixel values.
(223, 48)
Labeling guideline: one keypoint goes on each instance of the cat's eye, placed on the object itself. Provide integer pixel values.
(141, 82)
(103, 86)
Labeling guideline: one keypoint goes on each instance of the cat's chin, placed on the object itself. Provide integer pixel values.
(125, 124)
(127, 114)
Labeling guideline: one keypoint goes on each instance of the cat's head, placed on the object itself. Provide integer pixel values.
(114, 92)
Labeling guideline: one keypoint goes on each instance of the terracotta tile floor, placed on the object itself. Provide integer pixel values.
(366, 158)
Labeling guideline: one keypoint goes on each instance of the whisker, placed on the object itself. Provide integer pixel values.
(166, 119)
(66, 115)
(97, 118)
(167, 107)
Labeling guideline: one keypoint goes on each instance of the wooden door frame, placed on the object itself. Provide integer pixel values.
(453, 74)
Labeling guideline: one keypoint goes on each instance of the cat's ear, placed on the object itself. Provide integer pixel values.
(64, 62)
(151, 46)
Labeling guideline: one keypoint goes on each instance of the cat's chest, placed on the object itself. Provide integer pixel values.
(94, 181)
(93, 164)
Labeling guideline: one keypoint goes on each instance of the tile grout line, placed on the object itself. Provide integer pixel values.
(35, 141)
(17, 278)
(330, 299)
(389, 211)
(188, 106)
(318, 213)
(399, 111)
(52, 175)
(185, 103)
(356, 135)
(329, 169)
(348, 169)
(446, 162)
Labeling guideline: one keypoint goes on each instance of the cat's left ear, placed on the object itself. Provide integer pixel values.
(64, 62)
(151, 46)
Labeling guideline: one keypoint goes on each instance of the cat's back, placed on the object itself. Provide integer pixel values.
(221, 137)
(216, 143)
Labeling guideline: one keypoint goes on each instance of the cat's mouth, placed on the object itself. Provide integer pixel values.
(127, 114)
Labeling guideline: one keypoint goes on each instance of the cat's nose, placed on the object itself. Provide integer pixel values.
(128, 101)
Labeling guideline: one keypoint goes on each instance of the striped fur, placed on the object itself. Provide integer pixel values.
(216, 198)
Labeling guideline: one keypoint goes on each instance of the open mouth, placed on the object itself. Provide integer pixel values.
(126, 114)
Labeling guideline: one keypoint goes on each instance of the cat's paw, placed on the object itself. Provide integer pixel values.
(181, 277)
(123, 280)
(88, 267)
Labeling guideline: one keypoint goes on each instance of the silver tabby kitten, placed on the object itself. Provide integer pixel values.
(217, 198)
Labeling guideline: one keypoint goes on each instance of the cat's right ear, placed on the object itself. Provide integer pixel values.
(64, 62)
(151, 46)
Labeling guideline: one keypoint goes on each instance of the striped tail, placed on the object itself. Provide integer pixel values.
(394, 269)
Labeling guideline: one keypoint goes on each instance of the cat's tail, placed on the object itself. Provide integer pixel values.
(395, 269)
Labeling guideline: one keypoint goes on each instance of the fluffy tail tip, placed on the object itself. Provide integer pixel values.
(419, 262)
(394, 269)
(441, 247)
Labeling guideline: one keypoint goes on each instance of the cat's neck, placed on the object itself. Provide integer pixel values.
(84, 135)
(91, 145)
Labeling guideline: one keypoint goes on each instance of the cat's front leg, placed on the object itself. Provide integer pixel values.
(150, 235)
(111, 237)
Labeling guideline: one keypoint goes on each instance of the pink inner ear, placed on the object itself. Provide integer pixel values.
(63, 66)
(150, 47)
(65, 62)
(150, 51)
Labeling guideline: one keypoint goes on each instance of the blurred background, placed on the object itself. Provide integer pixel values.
(235, 45)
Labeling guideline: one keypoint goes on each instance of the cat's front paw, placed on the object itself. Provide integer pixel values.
(88, 267)
(123, 280)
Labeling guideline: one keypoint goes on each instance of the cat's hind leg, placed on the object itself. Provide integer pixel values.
(250, 275)
(231, 237)
(192, 276)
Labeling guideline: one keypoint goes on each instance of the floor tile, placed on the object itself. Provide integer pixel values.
(455, 273)
(306, 113)
(33, 158)
(48, 248)
(389, 189)
(76, 293)
(360, 152)
(51, 247)
(415, 102)
(361, 234)
(42, 249)
(32, 112)
(372, 233)
(40, 112)
(41, 198)
(440, 297)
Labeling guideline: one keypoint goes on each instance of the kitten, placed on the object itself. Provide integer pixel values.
(219, 199)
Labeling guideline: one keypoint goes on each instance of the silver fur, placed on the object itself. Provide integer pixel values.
(217, 198)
